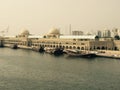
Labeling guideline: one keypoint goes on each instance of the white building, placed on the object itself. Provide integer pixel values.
(99, 33)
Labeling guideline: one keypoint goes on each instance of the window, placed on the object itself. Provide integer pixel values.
(82, 43)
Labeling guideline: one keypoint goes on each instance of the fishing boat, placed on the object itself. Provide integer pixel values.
(78, 53)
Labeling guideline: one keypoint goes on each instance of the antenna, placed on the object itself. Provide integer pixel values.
(70, 29)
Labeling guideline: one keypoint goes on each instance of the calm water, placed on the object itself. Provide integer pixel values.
(29, 70)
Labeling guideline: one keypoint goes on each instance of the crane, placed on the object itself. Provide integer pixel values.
(4, 31)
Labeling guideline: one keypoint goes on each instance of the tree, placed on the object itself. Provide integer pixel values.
(117, 37)
(44, 36)
(96, 37)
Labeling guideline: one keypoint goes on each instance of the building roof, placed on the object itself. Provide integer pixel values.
(24, 31)
(78, 37)
(54, 31)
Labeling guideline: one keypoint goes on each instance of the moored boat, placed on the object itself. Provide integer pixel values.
(48, 50)
(41, 49)
(38, 49)
(14, 46)
(78, 53)
(58, 51)
(55, 51)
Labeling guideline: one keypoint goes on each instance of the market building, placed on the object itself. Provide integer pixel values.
(54, 39)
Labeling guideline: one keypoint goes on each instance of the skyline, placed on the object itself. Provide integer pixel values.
(39, 16)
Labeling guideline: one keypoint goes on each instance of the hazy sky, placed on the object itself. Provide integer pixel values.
(39, 16)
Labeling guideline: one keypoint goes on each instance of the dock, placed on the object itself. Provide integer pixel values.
(109, 54)
(19, 46)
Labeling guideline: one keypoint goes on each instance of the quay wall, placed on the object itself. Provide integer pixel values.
(81, 44)
(109, 49)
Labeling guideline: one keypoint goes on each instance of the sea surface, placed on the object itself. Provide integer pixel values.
(29, 70)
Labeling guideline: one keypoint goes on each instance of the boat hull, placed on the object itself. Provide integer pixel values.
(83, 55)
(76, 53)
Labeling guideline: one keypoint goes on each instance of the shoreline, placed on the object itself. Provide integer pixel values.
(100, 53)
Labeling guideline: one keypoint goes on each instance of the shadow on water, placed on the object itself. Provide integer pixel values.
(58, 55)
(80, 58)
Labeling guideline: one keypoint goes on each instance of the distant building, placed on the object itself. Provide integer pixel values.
(54, 39)
(116, 31)
(99, 33)
(77, 32)
(106, 33)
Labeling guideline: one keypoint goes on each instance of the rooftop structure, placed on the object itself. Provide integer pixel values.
(54, 31)
(24, 32)
(77, 32)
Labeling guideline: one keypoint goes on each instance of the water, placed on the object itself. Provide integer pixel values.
(29, 70)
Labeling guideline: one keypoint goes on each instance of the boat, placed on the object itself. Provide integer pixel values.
(78, 53)
(58, 51)
(41, 49)
(14, 46)
(48, 50)
(55, 51)
(38, 49)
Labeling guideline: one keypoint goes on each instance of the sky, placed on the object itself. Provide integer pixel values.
(39, 16)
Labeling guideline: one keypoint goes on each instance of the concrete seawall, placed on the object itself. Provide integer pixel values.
(109, 54)
(25, 47)
(101, 53)
(19, 46)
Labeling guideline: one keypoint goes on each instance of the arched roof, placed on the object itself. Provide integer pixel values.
(54, 31)
(24, 32)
